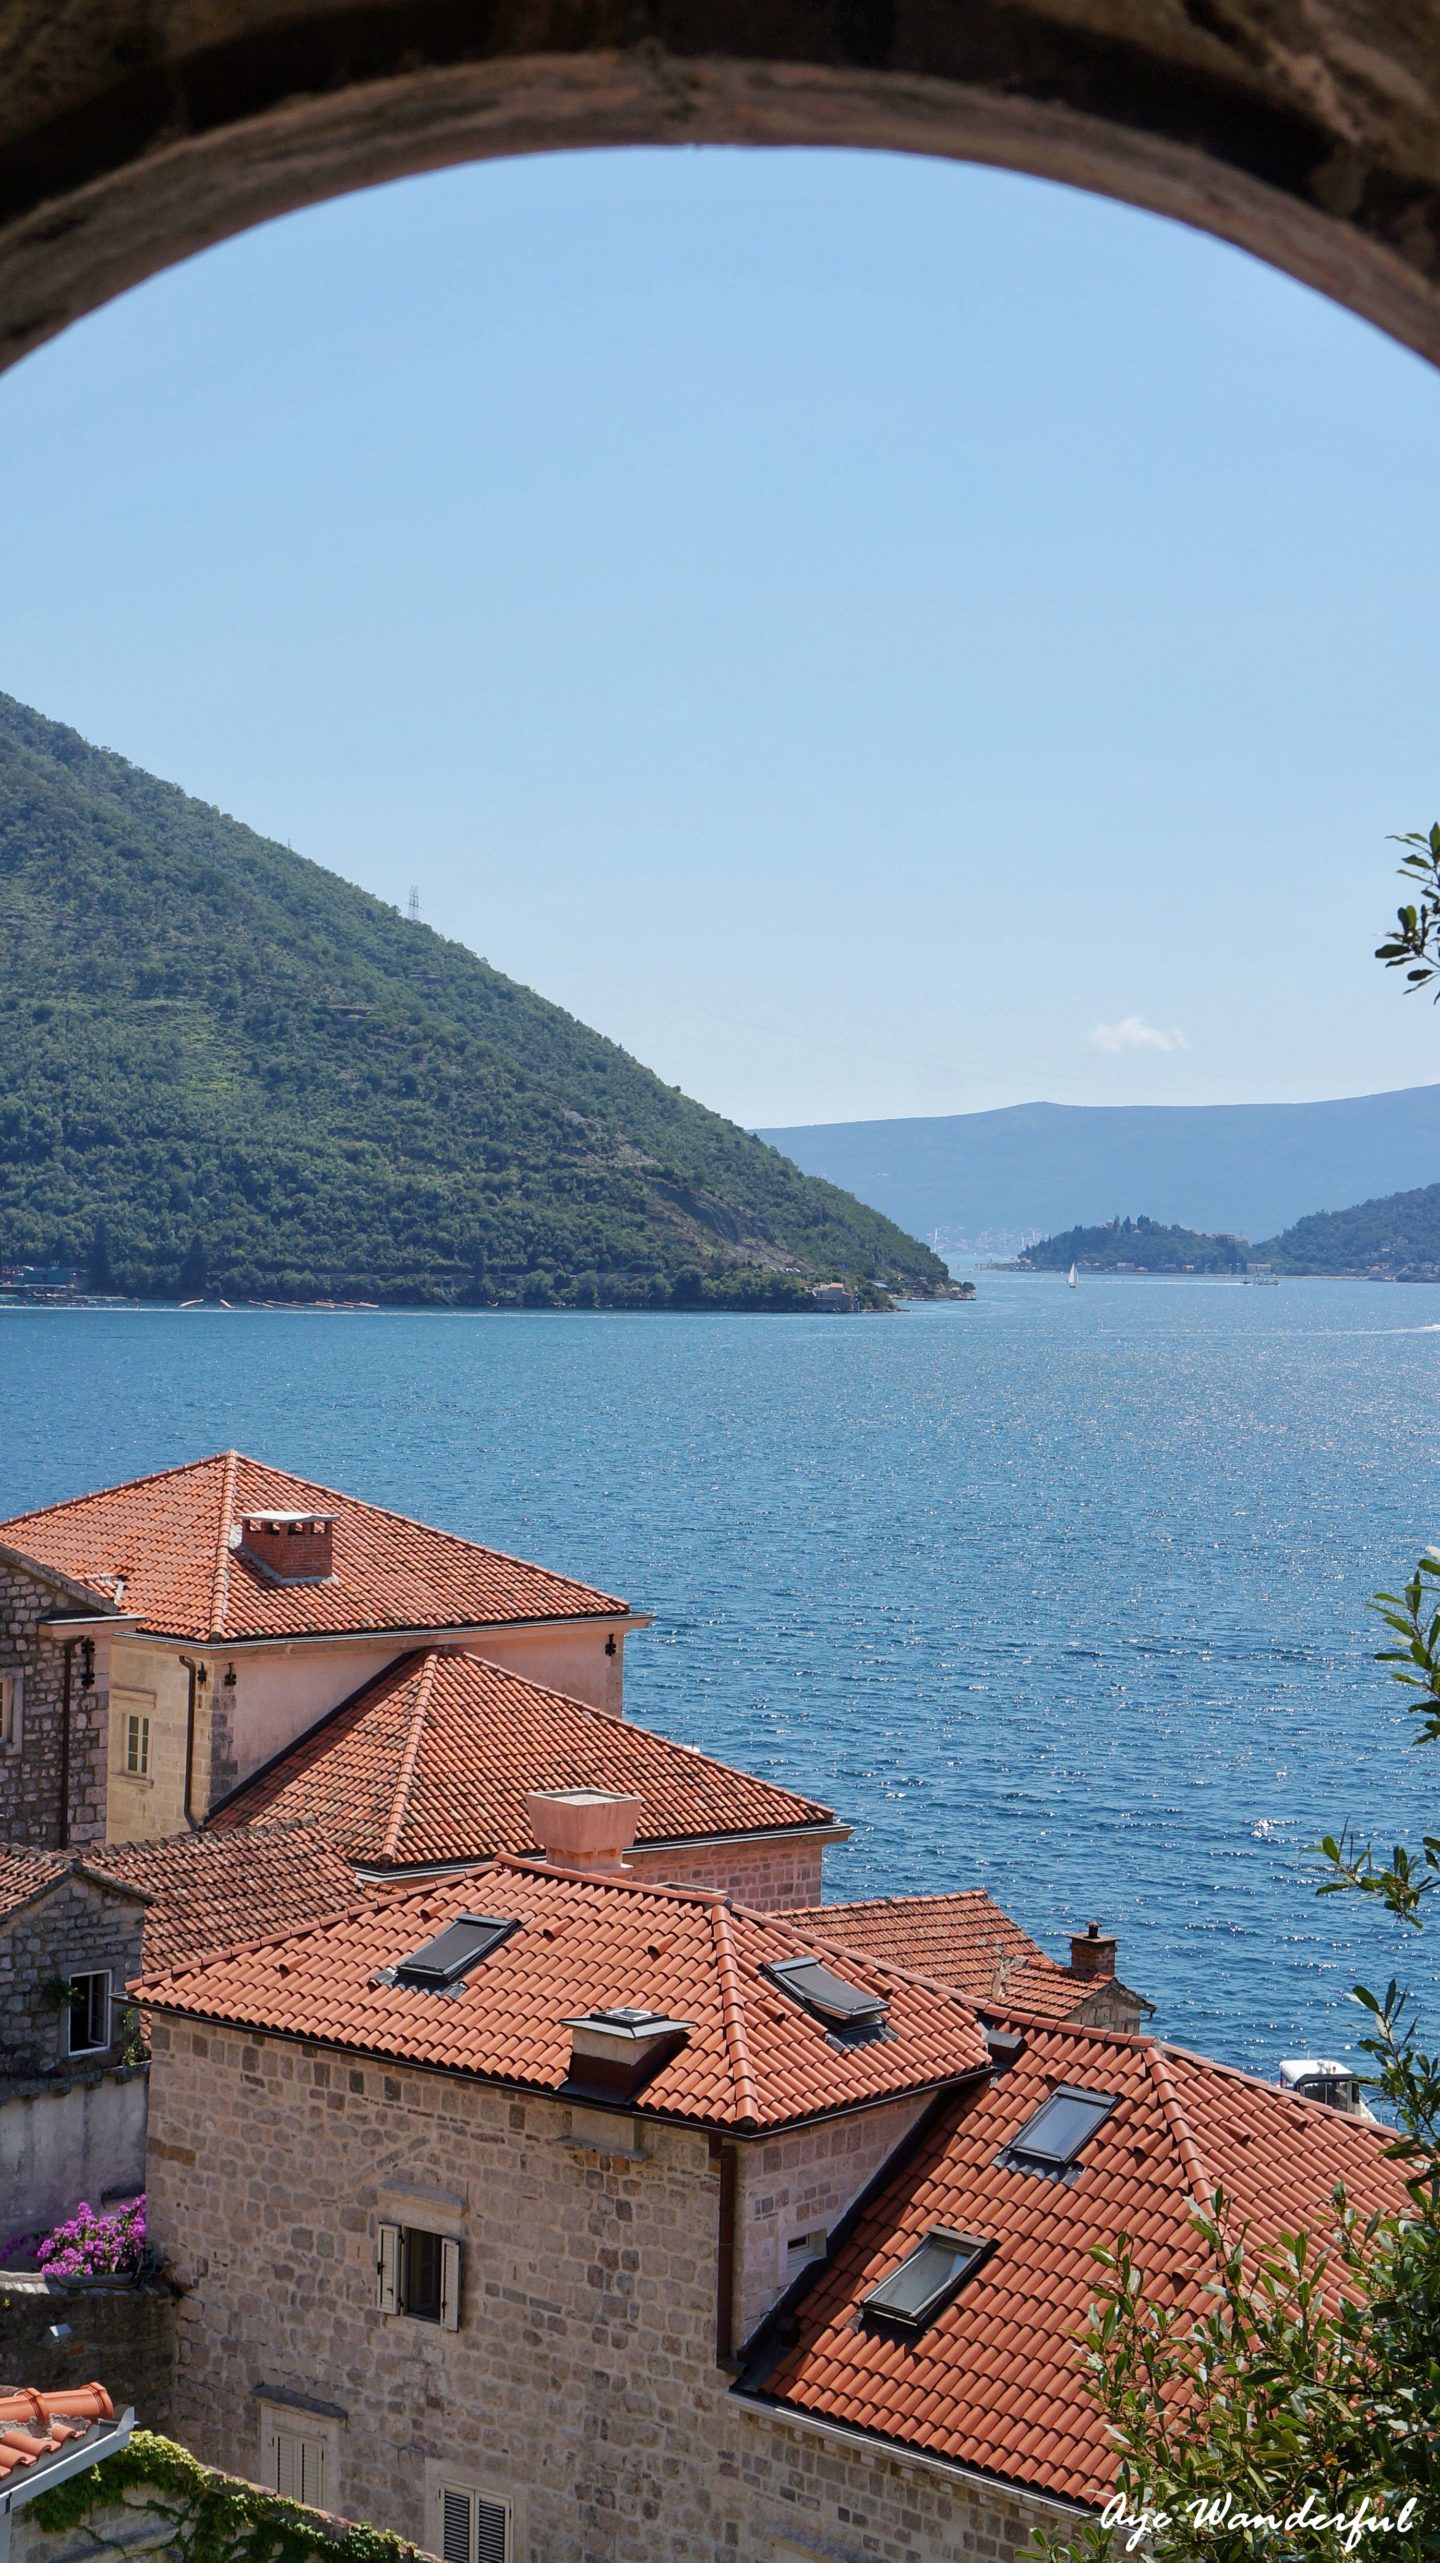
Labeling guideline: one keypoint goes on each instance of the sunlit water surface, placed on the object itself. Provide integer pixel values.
(1063, 1593)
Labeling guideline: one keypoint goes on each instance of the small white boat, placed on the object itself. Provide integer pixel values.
(1072, 1278)
(1321, 2078)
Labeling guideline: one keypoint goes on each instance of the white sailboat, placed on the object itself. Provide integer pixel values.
(1071, 1278)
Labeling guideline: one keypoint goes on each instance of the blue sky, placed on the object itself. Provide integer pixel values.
(873, 636)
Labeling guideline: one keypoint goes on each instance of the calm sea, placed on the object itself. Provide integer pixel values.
(1062, 1593)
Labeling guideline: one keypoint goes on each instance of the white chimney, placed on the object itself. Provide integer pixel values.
(585, 1828)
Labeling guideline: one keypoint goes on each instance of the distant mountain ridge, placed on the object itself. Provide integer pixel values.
(1247, 1169)
(224, 1067)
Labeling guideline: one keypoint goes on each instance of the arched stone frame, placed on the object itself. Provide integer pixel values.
(133, 132)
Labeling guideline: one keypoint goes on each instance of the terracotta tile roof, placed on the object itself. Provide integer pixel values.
(27, 1874)
(36, 2426)
(210, 1890)
(994, 2381)
(432, 1760)
(965, 1940)
(163, 1546)
(755, 2058)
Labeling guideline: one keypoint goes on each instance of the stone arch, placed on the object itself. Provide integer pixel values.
(133, 132)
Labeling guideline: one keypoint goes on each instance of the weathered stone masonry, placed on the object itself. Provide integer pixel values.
(583, 2381)
(30, 1771)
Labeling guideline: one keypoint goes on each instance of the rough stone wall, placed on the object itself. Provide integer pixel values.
(76, 1927)
(771, 1876)
(30, 1775)
(800, 2183)
(582, 2383)
(62, 2142)
(125, 2337)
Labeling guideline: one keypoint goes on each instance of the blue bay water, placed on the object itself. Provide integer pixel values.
(1063, 1594)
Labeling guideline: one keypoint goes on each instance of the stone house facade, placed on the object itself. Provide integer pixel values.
(581, 2397)
(72, 2086)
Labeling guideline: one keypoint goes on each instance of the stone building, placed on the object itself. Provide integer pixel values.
(225, 1641)
(72, 2088)
(546, 2216)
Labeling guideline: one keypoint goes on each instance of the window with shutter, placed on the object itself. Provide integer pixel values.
(449, 2286)
(300, 2468)
(472, 2528)
(387, 2270)
(418, 2273)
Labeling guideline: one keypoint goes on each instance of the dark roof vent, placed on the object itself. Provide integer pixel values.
(923, 2285)
(615, 2049)
(816, 1987)
(444, 1962)
(1006, 2048)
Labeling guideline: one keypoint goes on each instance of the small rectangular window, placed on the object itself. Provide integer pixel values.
(9, 1712)
(473, 2529)
(923, 2284)
(419, 2275)
(137, 1747)
(89, 2013)
(299, 2468)
(1061, 2127)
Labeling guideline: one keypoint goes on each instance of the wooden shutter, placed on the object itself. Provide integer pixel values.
(455, 2516)
(300, 2468)
(387, 2270)
(473, 2530)
(492, 2532)
(449, 2287)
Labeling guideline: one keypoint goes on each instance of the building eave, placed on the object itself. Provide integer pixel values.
(950, 2468)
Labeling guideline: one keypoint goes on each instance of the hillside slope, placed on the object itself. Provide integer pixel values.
(1248, 1168)
(1396, 1238)
(222, 1064)
(1135, 1246)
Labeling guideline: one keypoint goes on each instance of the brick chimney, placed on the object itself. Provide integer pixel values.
(1092, 1955)
(585, 1828)
(289, 1548)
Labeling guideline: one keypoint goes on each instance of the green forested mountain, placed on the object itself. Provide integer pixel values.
(1136, 1246)
(222, 1066)
(1394, 1239)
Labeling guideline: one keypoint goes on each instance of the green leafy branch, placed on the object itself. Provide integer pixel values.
(209, 2517)
(1414, 947)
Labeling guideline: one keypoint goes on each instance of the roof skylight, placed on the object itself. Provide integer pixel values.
(831, 1998)
(462, 1944)
(916, 2292)
(1061, 2127)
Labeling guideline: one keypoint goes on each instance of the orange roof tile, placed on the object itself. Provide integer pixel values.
(754, 2059)
(431, 1762)
(210, 1890)
(995, 2380)
(965, 1940)
(26, 1874)
(164, 1546)
(34, 2426)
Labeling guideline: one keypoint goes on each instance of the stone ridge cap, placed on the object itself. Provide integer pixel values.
(220, 1578)
(732, 2017)
(1201, 2187)
(534, 1865)
(419, 1716)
